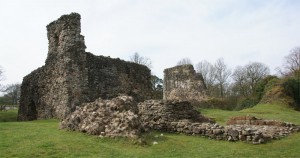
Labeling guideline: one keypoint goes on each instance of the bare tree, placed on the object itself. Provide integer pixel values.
(292, 63)
(1, 78)
(240, 85)
(208, 72)
(255, 72)
(13, 91)
(246, 78)
(222, 74)
(184, 61)
(136, 58)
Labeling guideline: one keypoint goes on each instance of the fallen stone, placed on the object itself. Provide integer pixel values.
(117, 117)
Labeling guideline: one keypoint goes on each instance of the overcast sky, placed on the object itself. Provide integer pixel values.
(240, 31)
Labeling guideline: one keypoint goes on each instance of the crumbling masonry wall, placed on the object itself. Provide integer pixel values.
(162, 115)
(72, 76)
(183, 83)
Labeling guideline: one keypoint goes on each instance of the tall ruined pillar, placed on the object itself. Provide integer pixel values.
(183, 83)
(55, 89)
(67, 59)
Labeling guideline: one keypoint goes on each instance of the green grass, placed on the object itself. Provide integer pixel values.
(42, 138)
(8, 116)
(265, 111)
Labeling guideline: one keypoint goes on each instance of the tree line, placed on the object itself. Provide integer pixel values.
(11, 91)
(11, 95)
(238, 88)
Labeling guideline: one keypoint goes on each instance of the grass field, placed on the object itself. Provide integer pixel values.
(42, 138)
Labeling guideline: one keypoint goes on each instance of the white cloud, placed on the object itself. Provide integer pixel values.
(164, 31)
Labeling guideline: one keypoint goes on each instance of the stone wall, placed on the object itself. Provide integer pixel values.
(183, 83)
(161, 114)
(72, 76)
(108, 77)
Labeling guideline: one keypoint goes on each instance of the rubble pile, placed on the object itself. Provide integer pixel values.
(110, 118)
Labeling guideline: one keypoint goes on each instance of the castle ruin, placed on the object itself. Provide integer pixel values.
(83, 91)
(72, 76)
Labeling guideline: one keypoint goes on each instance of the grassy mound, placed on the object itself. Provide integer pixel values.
(284, 91)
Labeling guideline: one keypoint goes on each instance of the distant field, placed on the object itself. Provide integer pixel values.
(8, 116)
(42, 138)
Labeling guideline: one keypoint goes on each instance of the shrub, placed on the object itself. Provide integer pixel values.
(263, 85)
(285, 91)
(292, 89)
(246, 103)
(217, 103)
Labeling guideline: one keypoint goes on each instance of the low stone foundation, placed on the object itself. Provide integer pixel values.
(250, 133)
(180, 117)
(251, 120)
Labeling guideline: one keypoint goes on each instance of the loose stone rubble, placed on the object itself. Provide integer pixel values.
(117, 117)
(122, 116)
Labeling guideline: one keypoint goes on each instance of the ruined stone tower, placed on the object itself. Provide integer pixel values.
(183, 83)
(72, 76)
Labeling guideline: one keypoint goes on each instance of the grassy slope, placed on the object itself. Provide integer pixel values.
(43, 139)
(265, 111)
